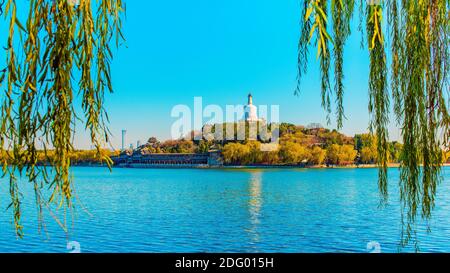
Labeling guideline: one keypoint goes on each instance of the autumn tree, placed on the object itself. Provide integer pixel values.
(347, 154)
(368, 155)
(294, 153)
(235, 153)
(341, 154)
(395, 152)
(152, 141)
(270, 158)
(446, 156)
(256, 155)
(417, 33)
(58, 55)
(366, 145)
(332, 156)
(204, 146)
(364, 140)
(317, 155)
(58, 39)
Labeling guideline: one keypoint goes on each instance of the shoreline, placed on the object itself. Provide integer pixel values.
(237, 167)
(242, 167)
(313, 167)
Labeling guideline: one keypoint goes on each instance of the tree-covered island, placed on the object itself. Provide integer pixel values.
(311, 146)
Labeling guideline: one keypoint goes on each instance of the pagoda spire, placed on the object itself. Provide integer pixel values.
(250, 99)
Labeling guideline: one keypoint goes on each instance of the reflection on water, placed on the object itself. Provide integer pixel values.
(284, 210)
(254, 205)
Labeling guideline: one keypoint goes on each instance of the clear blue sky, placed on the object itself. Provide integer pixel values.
(220, 50)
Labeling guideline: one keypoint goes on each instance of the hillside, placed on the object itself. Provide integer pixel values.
(312, 145)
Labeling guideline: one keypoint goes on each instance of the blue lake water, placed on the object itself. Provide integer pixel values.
(283, 210)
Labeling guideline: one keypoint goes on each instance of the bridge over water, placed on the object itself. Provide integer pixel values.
(210, 159)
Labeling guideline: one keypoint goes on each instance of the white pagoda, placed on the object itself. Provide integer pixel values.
(250, 110)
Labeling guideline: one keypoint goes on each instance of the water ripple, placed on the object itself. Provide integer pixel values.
(228, 211)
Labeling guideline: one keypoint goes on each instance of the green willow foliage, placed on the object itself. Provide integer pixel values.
(418, 33)
(315, 24)
(342, 12)
(378, 93)
(62, 50)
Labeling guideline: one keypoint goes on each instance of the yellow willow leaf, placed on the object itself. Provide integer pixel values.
(7, 8)
(29, 56)
(318, 50)
(373, 42)
(32, 87)
(61, 203)
(375, 26)
(33, 39)
(427, 35)
(375, 16)
(19, 24)
(380, 38)
(322, 40)
(380, 19)
(372, 14)
(327, 35)
(380, 31)
(320, 11)
(318, 21)
(13, 19)
(311, 33)
(308, 13)
(380, 12)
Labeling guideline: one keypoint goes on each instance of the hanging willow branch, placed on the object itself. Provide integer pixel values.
(315, 25)
(64, 50)
(342, 11)
(396, 50)
(419, 41)
(424, 81)
(378, 93)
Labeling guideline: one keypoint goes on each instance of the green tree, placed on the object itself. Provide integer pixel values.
(185, 147)
(288, 128)
(395, 152)
(419, 44)
(59, 38)
(366, 145)
(153, 141)
(54, 52)
(177, 146)
(204, 146)
(364, 140)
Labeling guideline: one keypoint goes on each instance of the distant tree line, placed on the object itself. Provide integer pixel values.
(298, 145)
(76, 157)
